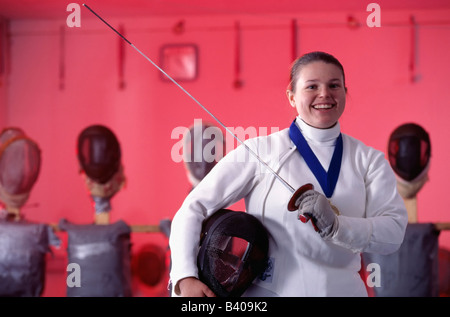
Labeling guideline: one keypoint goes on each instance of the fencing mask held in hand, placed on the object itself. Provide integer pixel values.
(233, 252)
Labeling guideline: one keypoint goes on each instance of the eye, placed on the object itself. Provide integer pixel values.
(310, 87)
(335, 86)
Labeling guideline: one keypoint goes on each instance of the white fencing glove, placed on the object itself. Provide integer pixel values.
(315, 206)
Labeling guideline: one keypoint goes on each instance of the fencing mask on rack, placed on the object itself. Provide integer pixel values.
(20, 163)
(203, 147)
(99, 155)
(409, 151)
(233, 252)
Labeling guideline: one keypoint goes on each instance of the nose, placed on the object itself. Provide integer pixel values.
(324, 92)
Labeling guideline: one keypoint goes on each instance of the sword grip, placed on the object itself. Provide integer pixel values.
(297, 194)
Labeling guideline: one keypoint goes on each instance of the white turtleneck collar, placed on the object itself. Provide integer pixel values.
(318, 136)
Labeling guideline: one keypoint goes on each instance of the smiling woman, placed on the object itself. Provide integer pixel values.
(353, 202)
(381, 96)
(317, 89)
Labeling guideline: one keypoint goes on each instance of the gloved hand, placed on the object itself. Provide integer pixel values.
(314, 206)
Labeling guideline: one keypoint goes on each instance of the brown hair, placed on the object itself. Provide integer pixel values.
(308, 58)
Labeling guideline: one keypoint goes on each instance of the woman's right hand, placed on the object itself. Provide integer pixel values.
(193, 287)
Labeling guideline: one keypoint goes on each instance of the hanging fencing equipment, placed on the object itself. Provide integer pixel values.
(9, 133)
(23, 250)
(413, 270)
(99, 155)
(23, 245)
(203, 147)
(295, 193)
(409, 151)
(20, 162)
(103, 256)
(233, 251)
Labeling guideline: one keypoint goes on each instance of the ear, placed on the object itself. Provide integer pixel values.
(290, 95)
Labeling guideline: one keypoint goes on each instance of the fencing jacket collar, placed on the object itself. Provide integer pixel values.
(317, 136)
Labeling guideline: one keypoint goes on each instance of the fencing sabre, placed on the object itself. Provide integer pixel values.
(296, 193)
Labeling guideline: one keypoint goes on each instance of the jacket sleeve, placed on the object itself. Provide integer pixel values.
(228, 182)
(383, 228)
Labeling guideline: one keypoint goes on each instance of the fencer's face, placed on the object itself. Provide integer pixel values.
(319, 94)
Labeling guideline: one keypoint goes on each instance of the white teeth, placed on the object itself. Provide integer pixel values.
(322, 106)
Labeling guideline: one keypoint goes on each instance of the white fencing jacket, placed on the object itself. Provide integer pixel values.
(372, 216)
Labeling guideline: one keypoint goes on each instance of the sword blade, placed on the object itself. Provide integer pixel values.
(286, 184)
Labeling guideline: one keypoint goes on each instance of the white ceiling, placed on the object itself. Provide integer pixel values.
(54, 9)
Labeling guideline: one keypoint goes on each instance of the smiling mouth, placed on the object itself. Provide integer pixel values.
(323, 106)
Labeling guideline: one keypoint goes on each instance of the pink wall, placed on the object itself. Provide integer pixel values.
(146, 112)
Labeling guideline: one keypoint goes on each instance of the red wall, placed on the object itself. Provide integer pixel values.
(145, 113)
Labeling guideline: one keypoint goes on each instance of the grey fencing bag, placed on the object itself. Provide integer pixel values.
(413, 270)
(23, 249)
(102, 256)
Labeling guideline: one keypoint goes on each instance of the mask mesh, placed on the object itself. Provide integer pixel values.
(233, 252)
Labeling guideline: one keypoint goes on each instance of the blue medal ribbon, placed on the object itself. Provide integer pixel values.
(327, 180)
